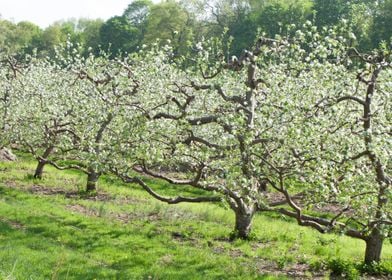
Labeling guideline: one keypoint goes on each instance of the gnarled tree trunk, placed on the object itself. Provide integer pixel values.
(42, 162)
(39, 169)
(243, 218)
(243, 225)
(374, 244)
(92, 180)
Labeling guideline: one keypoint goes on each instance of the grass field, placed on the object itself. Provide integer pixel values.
(50, 230)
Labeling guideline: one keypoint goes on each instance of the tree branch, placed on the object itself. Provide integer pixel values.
(350, 97)
(66, 167)
(168, 200)
(193, 138)
(220, 91)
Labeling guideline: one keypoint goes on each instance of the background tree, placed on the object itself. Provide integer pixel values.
(54, 35)
(137, 14)
(24, 37)
(361, 18)
(329, 13)
(168, 21)
(90, 34)
(229, 17)
(382, 29)
(118, 35)
(275, 16)
(6, 28)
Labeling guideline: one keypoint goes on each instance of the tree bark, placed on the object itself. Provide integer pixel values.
(42, 162)
(92, 181)
(375, 240)
(39, 169)
(374, 244)
(243, 224)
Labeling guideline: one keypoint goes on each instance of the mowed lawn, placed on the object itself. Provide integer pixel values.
(50, 230)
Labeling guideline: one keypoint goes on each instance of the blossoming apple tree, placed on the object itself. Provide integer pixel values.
(105, 89)
(42, 111)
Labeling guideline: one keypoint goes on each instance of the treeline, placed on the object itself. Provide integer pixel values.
(183, 22)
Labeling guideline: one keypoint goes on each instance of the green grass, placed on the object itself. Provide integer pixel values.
(49, 230)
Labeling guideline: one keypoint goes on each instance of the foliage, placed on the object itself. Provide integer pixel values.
(382, 29)
(138, 12)
(276, 16)
(118, 35)
(169, 22)
(344, 269)
(187, 22)
(330, 12)
(17, 38)
(90, 36)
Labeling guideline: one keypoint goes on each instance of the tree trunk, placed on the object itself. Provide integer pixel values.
(42, 162)
(39, 169)
(374, 247)
(243, 224)
(92, 180)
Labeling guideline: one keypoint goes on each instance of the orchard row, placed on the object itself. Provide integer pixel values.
(295, 124)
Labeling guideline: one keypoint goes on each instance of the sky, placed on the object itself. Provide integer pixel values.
(45, 12)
